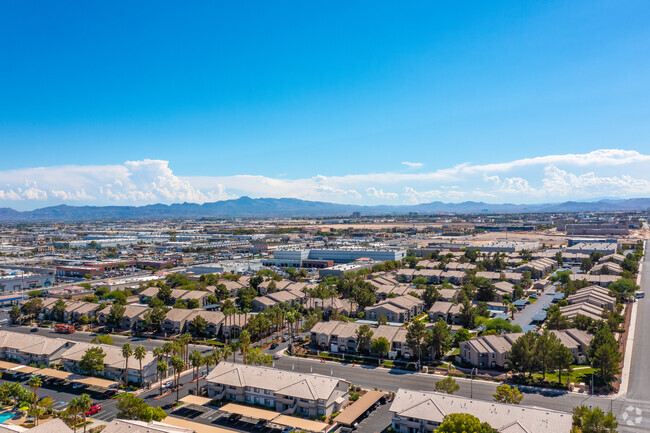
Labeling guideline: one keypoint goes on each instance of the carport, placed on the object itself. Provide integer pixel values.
(94, 381)
(25, 369)
(352, 413)
(195, 426)
(196, 400)
(301, 424)
(4, 365)
(248, 412)
(54, 374)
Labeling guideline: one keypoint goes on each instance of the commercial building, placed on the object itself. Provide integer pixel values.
(509, 246)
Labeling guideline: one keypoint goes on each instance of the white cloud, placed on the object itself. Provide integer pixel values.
(601, 173)
(380, 194)
(412, 164)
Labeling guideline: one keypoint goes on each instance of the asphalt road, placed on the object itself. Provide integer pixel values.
(524, 317)
(636, 409)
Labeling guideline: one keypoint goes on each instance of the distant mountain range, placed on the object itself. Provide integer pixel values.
(246, 207)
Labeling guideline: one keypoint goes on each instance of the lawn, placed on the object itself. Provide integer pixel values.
(580, 374)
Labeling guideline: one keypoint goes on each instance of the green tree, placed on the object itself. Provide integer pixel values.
(364, 337)
(154, 317)
(127, 352)
(507, 394)
(116, 314)
(35, 382)
(198, 325)
(177, 365)
(92, 362)
(606, 360)
(447, 385)
(33, 307)
(594, 420)
(380, 346)
(74, 409)
(562, 360)
(544, 351)
(130, 407)
(463, 423)
(522, 353)
(430, 296)
(161, 369)
(467, 314)
(461, 335)
(58, 309)
(165, 294)
(85, 402)
(559, 259)
(139, 354)
(485, 290)
(102, 339)
(196, 359)
(414, 335)
(244, 343)
(555, 319)
(438, 339)
(14, 314)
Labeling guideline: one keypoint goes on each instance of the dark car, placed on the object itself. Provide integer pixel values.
(274, 345)
(110, 393)
(234, 417)
(33, 330)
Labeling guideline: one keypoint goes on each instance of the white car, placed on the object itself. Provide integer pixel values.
(77, 385)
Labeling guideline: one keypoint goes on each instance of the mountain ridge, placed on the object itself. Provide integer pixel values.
(246, 207)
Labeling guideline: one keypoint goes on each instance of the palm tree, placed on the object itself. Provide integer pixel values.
(85, 402)
(234, 347)
(167, 349)
(127, 352)
(226, 351)
(177, 365)
(197, 361)
(244, 342)
(139, 354)
(74, 409)
(161, 368)
(35, 382)
(185, 340)
(36, 412)
(158, 353)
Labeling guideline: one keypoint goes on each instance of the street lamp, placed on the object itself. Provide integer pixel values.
(471, 383)
(592, 377)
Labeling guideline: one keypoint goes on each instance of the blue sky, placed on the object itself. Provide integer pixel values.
(123, 103)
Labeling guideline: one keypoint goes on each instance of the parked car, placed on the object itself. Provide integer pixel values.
(288, 429)
(77, 385)
(33, 330)
(93, 409)
(260, 425)
(273, 346)
(168, 384)
(110, 393)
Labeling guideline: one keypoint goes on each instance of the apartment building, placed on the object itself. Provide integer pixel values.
(493, 351)
(284, 391)
(398, 309)
(31, 349)
(114, 363)
(422, 412)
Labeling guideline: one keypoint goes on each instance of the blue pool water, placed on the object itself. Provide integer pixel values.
(5, 416)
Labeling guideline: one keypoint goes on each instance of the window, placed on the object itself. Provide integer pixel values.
(267, 402)
(321, 412)
(248, 388)
(267, 392)
(321, 401)
(304, 400)
(232, 387)
(248, 398)
(257, 390)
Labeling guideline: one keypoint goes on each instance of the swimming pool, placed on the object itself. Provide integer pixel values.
(5, 416)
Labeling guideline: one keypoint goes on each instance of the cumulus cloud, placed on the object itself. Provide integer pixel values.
(380, 194)
(597, 174)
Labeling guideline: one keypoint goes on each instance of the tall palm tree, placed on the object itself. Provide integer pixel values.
(127, 352)
(234, 347)
(185, 340)
(74, 409)
(85, 402)
(139, 354)
(177, 365)
(244, 343)
(35, 382)
(161, 369)
(35, 411)
(197, 361)
(226, 351)
(167, 349)
(158, 353)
